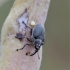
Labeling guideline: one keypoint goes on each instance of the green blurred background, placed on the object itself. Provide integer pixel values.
(56, 48)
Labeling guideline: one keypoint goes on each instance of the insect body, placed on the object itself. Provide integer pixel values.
(37, 37)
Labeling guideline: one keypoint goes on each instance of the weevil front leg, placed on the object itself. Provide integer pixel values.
(36, 51)
(24, 46)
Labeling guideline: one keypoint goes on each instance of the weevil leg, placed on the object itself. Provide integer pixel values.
(30, 30)
(38, 55)
(29, 39)
(26, 25)
(34, 53)
(24, 46)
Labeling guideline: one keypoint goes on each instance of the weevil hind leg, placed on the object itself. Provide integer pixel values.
(26, 25)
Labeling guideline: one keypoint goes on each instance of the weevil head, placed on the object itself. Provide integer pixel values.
(37, 44)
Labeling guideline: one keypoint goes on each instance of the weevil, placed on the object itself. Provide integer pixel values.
(37, 37)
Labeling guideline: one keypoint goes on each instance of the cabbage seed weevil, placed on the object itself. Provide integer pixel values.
(37, 37)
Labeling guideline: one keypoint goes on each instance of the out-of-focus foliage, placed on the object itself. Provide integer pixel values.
(4, 11)
(2, 2)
